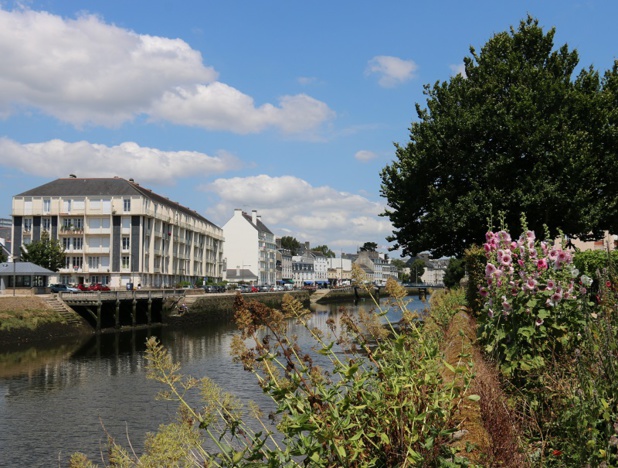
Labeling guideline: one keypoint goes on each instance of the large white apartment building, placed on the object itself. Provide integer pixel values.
(250, 249)
(116, 232)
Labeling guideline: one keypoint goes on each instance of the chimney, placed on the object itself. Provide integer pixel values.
(254, 216)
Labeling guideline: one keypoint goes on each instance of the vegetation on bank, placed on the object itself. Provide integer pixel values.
(534, 384)
(26, 313)
(370, 393)
(548, 317)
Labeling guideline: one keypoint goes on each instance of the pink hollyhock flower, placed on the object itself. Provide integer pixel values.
(483, 292)
(490, 269)
(490, 313)
(506, 258)
(530, 235)
(530, 284)
(538, 322)
(556, 297)
(541, 264)
(564, 257)
(504, 236)
(487, 247)
(551, 284)
(583, 290)
(489, 236)
(521, 263)
(532, 253)
(553, 255)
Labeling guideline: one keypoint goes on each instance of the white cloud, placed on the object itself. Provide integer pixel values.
(56, 158)
(365, 155)
(391, 70)
(459, 69)
(221, 107)
(291, 206)
(87, 72)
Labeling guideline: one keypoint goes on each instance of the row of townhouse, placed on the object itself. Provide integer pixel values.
(118, 233)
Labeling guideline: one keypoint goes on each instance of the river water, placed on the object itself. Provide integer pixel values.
(57, 400)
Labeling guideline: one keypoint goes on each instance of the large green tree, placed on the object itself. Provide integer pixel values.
(291, 243)
(328, 253)
(369, 247)
(47, 253)
(519, 133)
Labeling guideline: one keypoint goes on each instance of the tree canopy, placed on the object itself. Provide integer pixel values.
(517, 134)
(369, 247)
(291, 243)
(47, 253)
(328, 253)
(417, 269)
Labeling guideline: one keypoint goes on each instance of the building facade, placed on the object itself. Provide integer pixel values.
(116, 232)
(250, 245)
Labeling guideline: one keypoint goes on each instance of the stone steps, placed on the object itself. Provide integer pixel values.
(63, 310)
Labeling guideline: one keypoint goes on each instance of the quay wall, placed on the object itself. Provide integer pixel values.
(216, 307)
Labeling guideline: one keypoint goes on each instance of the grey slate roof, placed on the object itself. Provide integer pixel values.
(23, 268)
(113, 186)
(259, 225)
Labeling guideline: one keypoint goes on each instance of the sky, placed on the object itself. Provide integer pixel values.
(289, 108)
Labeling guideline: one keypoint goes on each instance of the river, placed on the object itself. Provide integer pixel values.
(57, 400)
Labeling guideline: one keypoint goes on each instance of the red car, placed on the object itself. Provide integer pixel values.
(98, 287)
(82, 287)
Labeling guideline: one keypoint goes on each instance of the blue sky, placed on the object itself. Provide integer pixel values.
(290, 108)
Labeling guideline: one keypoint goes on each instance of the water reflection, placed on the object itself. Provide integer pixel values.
(53, 401)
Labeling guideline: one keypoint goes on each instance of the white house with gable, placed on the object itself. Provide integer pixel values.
(250, 249)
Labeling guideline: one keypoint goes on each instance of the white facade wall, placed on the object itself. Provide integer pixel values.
(320, 268)
(120, 239)
(248, 247)
(241, 249)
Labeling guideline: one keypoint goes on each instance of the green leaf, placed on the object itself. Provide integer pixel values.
(474, 397)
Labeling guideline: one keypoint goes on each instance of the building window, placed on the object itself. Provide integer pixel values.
(46, 205)
(78, 243)
(27, 224)
(93, 263)
(46, 224)
(74, 263)
(127, 205)
(126, 244)
(125, 262)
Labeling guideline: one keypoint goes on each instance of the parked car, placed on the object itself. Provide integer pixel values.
(98, 287)
(57, 288)
(210, 289)
(82, 287)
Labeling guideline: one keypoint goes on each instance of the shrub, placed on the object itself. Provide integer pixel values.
(475, 262)
(381, 397)
(531, 309)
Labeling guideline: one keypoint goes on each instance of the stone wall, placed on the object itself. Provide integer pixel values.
(216, 307)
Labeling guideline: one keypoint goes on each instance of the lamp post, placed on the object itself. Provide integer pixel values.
(12, 258)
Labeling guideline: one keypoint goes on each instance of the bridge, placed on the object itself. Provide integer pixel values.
(105, 309)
